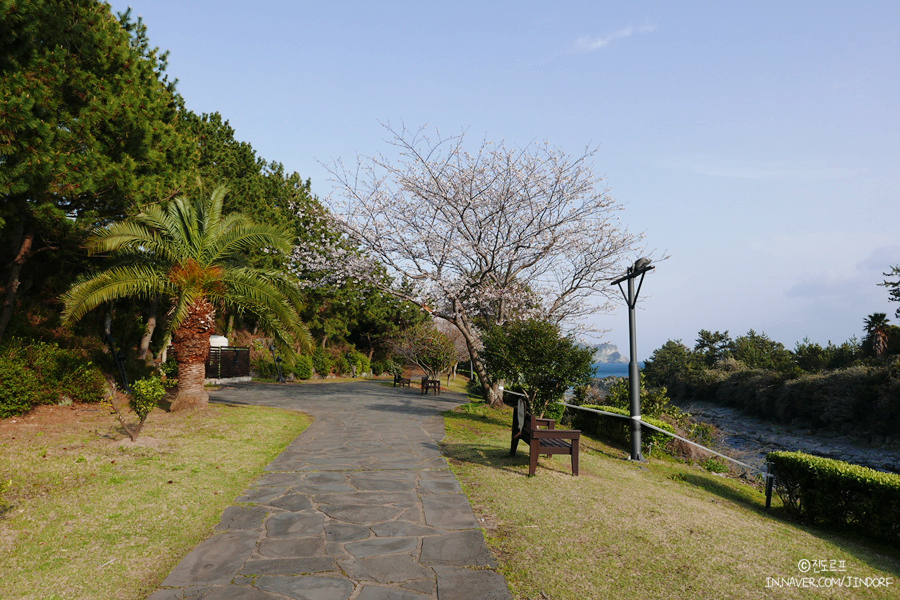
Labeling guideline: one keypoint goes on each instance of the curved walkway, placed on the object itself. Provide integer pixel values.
(361, 506)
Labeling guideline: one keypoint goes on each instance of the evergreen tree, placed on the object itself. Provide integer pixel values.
(533, 355)
(89, 128)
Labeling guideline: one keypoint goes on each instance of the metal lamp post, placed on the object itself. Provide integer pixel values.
(640, 267)
(277, 360)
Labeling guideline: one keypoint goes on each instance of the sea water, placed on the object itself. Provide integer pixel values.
(602, 370)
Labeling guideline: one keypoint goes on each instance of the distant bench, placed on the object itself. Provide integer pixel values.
(401, 381)
(431, 384)
(542, 437)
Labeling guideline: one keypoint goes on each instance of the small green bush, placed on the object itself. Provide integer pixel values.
(714, 465)
(654, 402)
(84, 383)
(378, 368)
(40, 373)
(342, 366)
(303, 367)
(20, 388)
(322, 363)
(145, 396)
(361, 361)
(264, 367)
(704, 434)
(170, 367)
(823, 491)
(617, 431)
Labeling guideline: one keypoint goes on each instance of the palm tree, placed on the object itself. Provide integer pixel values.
(189, 252)
(876, 326)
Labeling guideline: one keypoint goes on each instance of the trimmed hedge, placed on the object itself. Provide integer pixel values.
(618, 431)
(823, 491)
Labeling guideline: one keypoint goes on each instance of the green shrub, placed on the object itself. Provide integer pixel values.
(342, 366)
(322, 363)
(554, 411)
(20, 388)
(170, 367)
(145, 395)
(84, 383)
(714, 465)
(704, 434)
(823, 491)
(617, 431)
(264, 367)
(303, 367)
(654, 402)
(40, 373)
(361, 361)
(378, 368)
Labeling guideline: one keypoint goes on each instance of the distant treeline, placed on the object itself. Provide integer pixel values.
(851, 387)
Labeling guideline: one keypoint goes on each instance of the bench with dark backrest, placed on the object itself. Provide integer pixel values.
(431, 384)
(542, 437)
(401, 381)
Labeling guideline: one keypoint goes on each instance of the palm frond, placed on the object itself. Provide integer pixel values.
(186, 250)
(119, 282)
(245, 236)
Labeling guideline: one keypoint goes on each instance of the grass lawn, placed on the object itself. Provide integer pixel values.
(89, 515)
(637, 531)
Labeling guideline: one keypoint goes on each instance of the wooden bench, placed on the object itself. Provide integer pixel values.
(431, 384)
(401, 381)
(542, 437)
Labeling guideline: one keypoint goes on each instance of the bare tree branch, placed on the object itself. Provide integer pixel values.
(482, 237)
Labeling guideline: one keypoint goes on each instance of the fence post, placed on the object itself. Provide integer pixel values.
(770, 481)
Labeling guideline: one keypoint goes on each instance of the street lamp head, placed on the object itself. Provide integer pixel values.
(641, 264)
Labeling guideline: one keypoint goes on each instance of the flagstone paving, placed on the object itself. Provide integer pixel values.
(361, 506)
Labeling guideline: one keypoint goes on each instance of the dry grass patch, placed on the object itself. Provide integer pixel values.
(92, 515)
(624, 530)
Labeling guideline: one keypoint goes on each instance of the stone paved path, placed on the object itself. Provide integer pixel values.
(361, 506)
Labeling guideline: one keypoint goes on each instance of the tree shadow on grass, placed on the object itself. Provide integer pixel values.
(500, 460)
(728, 492)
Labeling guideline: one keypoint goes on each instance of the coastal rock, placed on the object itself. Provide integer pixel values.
(752, 438)
(608, 354)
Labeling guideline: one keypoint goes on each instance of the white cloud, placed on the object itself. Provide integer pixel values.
(590, 44)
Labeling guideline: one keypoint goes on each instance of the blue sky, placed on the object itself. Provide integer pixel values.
(755, 144)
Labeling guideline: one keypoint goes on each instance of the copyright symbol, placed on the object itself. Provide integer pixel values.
(803, 565)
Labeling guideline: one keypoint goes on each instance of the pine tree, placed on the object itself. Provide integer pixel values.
(88, 127)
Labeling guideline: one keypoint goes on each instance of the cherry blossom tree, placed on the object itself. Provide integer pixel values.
(478, 237)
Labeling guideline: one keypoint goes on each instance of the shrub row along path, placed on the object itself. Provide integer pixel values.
(360, 506)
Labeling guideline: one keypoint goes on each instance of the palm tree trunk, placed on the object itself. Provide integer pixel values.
(191, 394)
(191, 343)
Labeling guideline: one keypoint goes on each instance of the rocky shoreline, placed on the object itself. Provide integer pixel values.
(751, 438)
